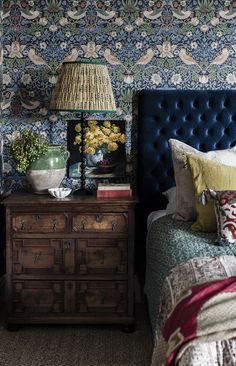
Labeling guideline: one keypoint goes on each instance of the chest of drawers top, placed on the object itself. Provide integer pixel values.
(74, 201)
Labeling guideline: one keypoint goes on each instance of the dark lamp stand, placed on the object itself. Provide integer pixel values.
(83, 190)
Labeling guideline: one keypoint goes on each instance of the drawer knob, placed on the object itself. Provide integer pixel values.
(67, 244)
(83, 223)
(114, 225)
(37, 256)
(23, 225)
(99, 217)
(54, 226)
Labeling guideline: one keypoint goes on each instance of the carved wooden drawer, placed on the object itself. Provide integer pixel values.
(86, 298)
(101, 222)
(101, 256)
(37, 297)
(96, 297)
(39, 223)
(43, 256)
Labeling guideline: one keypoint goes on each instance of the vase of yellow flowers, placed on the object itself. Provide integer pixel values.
(99, 142)
(94, 159)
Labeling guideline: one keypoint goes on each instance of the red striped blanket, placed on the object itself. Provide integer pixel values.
(198, 305)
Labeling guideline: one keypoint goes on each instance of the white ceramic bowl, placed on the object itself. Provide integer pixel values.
(59, 192)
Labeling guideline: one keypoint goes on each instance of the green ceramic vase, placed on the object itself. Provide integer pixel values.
(49, 170)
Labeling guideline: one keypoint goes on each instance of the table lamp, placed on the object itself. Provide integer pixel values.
(83, 86)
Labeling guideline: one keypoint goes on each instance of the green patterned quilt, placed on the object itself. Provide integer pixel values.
(169, 243)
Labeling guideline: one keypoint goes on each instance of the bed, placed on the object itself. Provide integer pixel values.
(205, 120)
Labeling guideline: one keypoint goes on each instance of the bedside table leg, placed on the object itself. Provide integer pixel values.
(128, 328)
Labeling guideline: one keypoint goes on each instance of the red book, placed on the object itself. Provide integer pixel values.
(114, 193)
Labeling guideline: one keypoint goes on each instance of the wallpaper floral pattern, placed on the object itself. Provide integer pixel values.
(146, 44)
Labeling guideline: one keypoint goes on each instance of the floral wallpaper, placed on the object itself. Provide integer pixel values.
(146, 44)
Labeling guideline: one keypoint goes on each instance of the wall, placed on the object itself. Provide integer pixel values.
(146, 44)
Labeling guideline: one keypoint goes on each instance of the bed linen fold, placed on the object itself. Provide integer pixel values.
(197, 306)
(171, 242)
(174, 254)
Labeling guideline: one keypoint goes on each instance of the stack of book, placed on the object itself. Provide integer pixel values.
(114, 190)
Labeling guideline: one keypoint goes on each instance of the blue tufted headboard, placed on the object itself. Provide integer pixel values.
(204, 119)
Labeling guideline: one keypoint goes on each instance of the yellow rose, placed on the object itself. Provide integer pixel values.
(93, 128)
(107, 124)
(114, 137)
(112, 146)
(94, 142)
(88, 136)
(96, 131)
(105, 139)
(100, 141)
(106, 131)
(89, 150)
(116, 129)
(122, 138)
(78, 127)
(78, 139)
(92, 123)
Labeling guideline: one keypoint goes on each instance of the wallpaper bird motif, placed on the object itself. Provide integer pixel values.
(146, 44)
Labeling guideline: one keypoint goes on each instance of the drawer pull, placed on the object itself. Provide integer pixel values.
(114, 225)
(38, 217)
(23, 225)
(83, 223)
(99, 217)
(67, 244)
(37, 256)
(54, 226)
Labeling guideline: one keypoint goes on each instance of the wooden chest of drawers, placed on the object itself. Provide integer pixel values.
(69, 260)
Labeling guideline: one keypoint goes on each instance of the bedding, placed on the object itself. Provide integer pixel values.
(205, 120)
(170, 195)
(212, 175)
(155, 215)
(185, 209)
(170, 245)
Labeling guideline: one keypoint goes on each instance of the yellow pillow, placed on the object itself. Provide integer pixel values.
(208, 174)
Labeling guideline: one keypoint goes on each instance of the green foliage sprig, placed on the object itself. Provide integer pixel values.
(27, 147)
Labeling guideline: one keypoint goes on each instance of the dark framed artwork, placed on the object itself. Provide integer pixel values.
(104, 149)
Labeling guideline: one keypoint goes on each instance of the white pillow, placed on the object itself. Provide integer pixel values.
(185, 200)
(170, 195)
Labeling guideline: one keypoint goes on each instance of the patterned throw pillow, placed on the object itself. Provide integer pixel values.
(207, 173)
(185, 200)
(225, 211)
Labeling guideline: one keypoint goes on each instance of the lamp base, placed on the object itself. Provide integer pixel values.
(83, 192)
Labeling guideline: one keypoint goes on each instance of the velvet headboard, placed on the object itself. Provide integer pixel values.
(204, 119)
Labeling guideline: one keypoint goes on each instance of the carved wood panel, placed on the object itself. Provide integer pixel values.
(38, 297)
(101, 256)
(101, 222)
(39, 223)
(43, 256)
(96, 297)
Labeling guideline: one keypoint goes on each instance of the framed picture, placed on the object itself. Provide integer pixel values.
(104, 149)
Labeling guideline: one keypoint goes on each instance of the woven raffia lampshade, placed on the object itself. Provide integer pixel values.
(83, 86)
